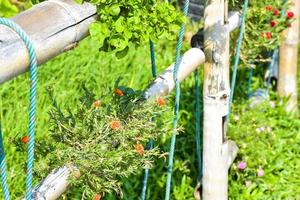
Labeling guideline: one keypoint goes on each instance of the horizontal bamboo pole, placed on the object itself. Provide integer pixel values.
(234, 21)
(54, 185)
(53, 26)
(164, 83)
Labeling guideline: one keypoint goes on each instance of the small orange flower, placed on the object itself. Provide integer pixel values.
(268, 35)
(25, 139)
(269, 8)
(139, 149)
(160, 101)
(97, 197)
(276, 12)
(273, 23)
(115, 125)
(97, 104)
(119, 92)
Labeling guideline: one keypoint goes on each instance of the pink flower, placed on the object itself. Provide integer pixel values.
(260, 172)
(242, 165)
(272, 104)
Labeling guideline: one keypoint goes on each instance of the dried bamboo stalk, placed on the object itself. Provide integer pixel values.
(218, 152)
(287, 80)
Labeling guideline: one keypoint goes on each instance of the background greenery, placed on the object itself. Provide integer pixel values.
(266, 135)
(277, 152)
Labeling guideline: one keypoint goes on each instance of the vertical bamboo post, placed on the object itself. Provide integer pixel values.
(216, 98)
(287, 80)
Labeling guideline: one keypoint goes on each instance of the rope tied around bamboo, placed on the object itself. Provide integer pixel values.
(32, 112)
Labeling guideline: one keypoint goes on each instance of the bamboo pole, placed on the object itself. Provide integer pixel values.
(218, 153)
(54, 26)
(164, 84)
(287, 80)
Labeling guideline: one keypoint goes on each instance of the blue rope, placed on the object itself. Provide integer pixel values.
(198, 131)
(3, 169)
(177, 102)
(32, 101)
(237, 55)
(146, 174)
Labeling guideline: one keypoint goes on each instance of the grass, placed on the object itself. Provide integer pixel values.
(276, 151)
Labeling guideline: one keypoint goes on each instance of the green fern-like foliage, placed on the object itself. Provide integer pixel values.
(105, 139)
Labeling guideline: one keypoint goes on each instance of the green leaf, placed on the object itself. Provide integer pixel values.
(123, 53)
(99, 32)
(115, 10)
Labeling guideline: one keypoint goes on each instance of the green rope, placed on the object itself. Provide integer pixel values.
(153, 63)
(237, 55)
(177, 102)
(150, 143)
(198, 131)
(32, 101)
(3, 169)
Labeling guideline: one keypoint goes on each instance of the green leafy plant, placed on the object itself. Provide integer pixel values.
(268, 140)
(266, 20)
(125, 22)
(7, 9)
(104, 138)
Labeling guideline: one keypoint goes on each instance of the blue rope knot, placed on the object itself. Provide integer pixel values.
(32, 111)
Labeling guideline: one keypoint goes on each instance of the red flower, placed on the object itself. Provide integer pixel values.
(139, 149)
(268, 35)
(276, 12)
(97, 197)
(25, 139)
(115, 125)
(119, 92)
(269, 8)
(288, 24)
(273, 23)
(160, 101)
(97, 104)
(290, 14)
